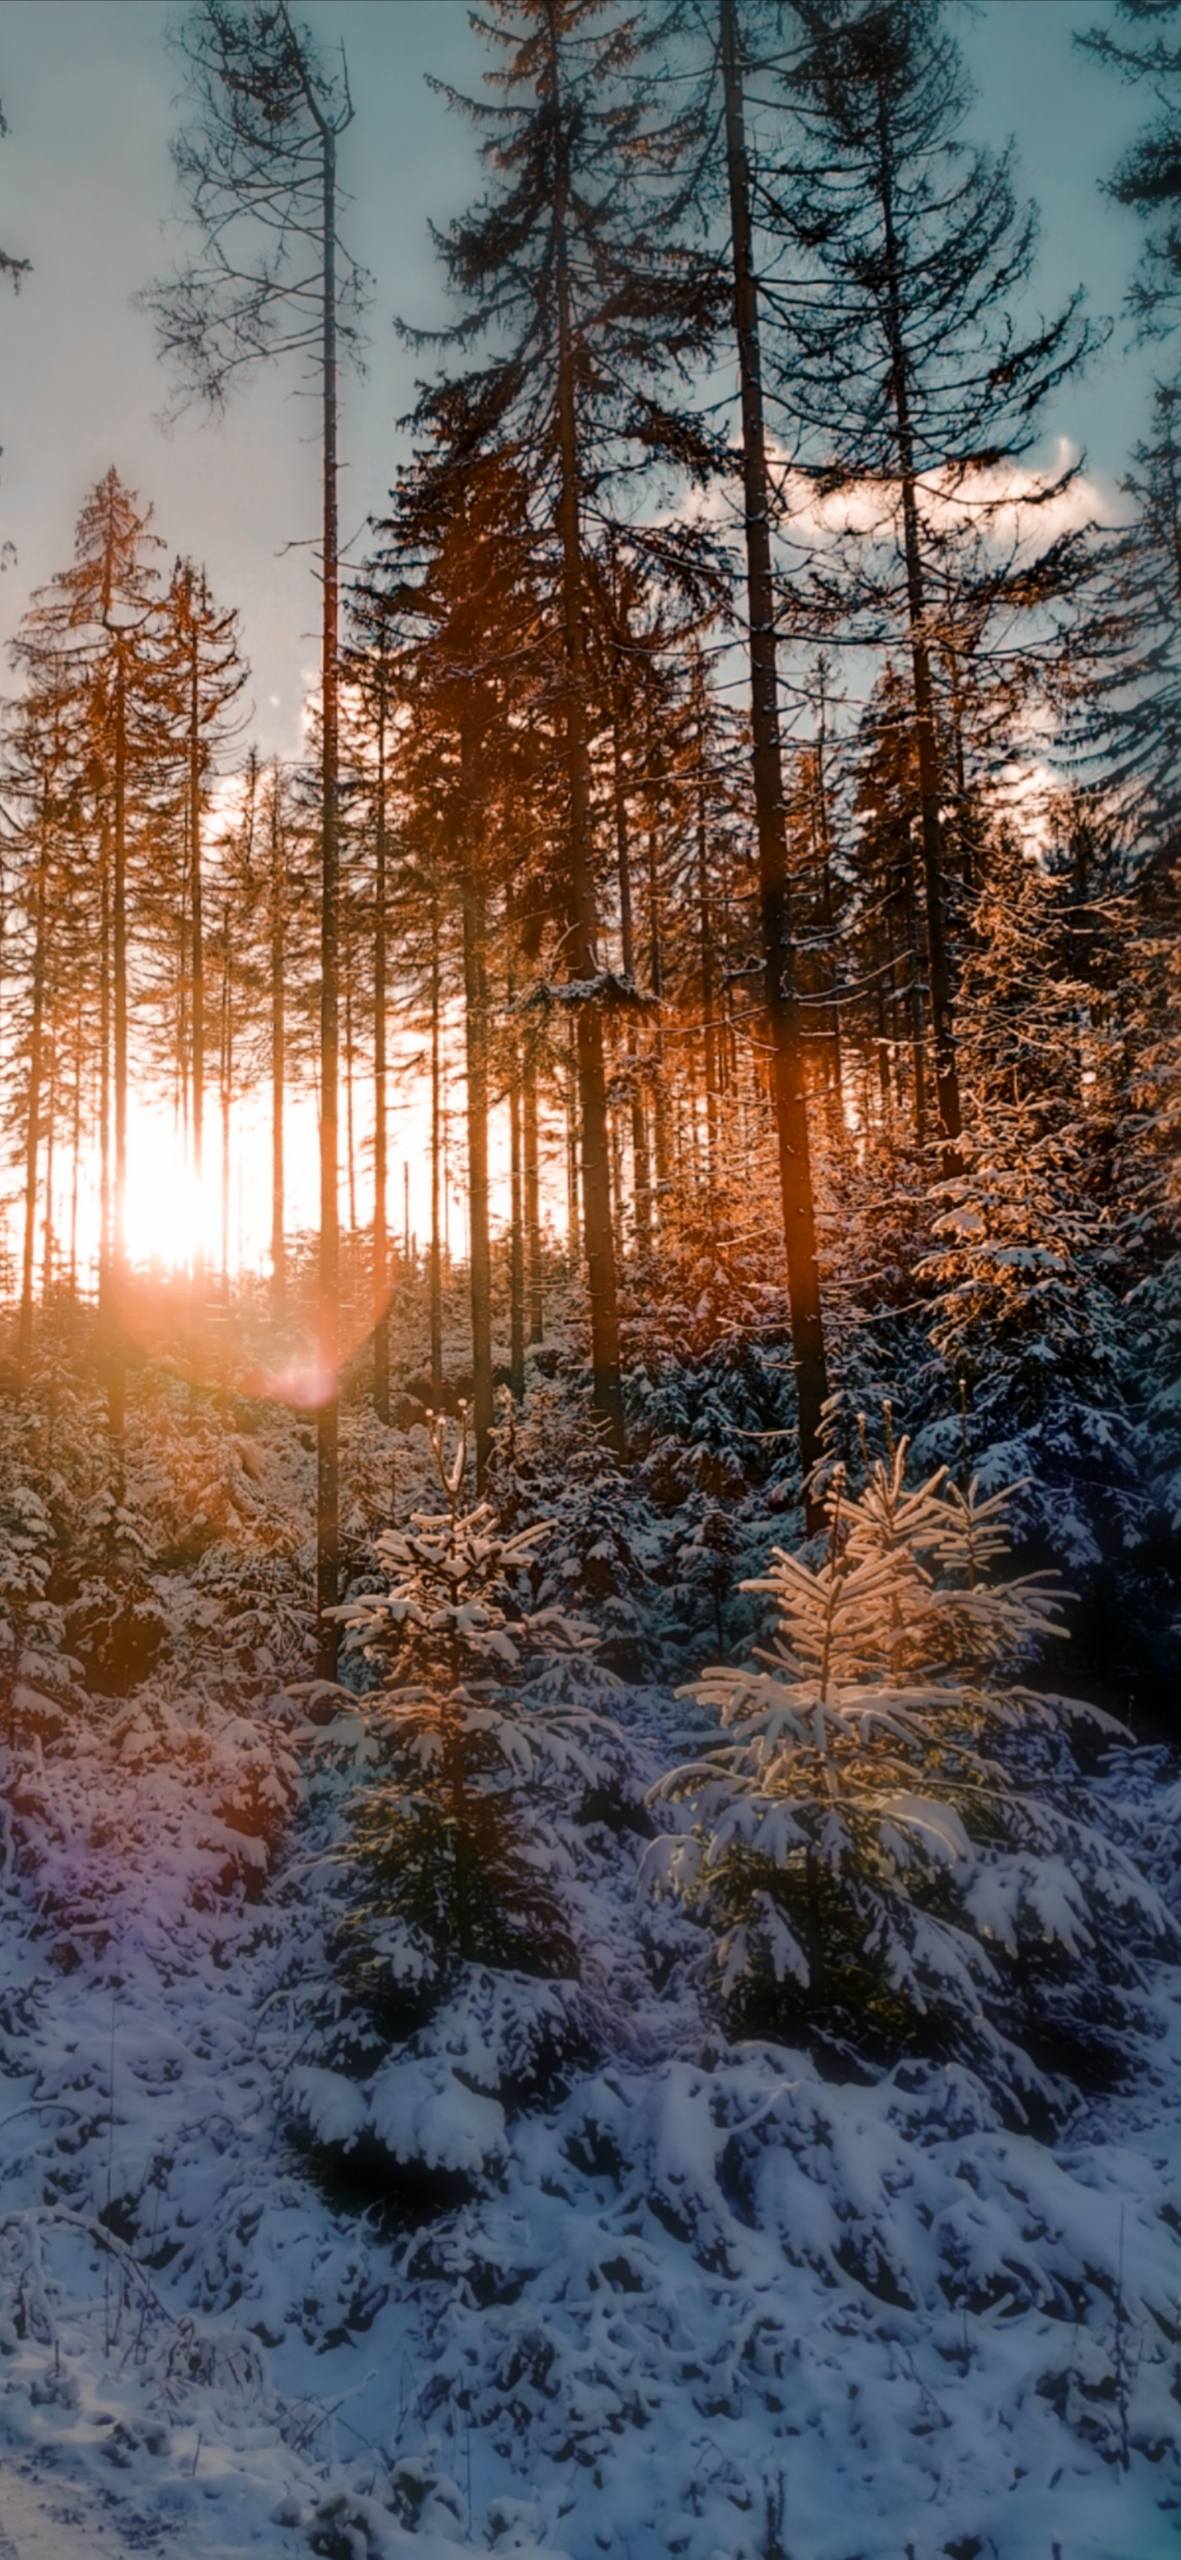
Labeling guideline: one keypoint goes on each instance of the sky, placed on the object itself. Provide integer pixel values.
(86, 192)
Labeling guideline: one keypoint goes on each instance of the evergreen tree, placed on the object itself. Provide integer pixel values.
(204, 678)
(1140, 44)
(96, 625)
(882, 1871)
(899, 369)
(780, 990)
(1023, 1269)
(457, 1936)
(258, 167)
(580, 271)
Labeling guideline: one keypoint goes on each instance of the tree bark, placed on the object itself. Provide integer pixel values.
(598, 1226)
(381, 1293)
(533, 1199)
(278, 940)
(475, 1015)
(328, 1424)
(196, 928)
(438, 1168)
(24, 1346)
(947, 1095)
(641, 1162)
(790, 1101)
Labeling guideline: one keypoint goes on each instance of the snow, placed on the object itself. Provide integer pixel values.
(691, 2287)
(701, 2301)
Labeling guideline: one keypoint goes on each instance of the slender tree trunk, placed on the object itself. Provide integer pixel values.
(790, 1100)
(33, 1115)
(532, 1150)
(573, 1210)
(75, 1158)
(438, 1165)
(350, 1149)
(947, 1094)
(381, 1293)
(50, 1136)
(660, 1111)
(475, 1015)
(117, 1391)
(227, 1097)
(119, 921)
(606, 1377)
(835, 1074)
(912, 961)
(104, 1073)
(641, 1163)
(708, 958)
(278, 937)
(197, 930)
(328, 1432)
(516, 1240)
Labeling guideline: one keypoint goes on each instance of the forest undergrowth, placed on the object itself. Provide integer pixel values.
(343, 2215)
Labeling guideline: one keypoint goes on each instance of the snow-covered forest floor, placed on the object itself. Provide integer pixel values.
(703, 2301)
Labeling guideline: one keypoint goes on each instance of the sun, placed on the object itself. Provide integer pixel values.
(172, 1220)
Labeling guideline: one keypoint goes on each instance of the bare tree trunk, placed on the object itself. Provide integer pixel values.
(197, 931)
(475, 1016)
(835, 1076)
(50, 1135)
(24, 1340)
(117, 1388)
(381, 1292)
(641, 1165)
(533, 1200)
(350, 1149)
(227, 1096)
(278, 938)
(516, 1239)
(438, 1167)
(573, 1212)
(708, 954)
(912, 957)
(660, 1113)
(104, 1073)
(328, 1432)
(75, 1158)
(790, 1100)
(947, 1093)
(606, 1378)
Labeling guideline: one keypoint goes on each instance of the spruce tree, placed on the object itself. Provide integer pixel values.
(577, 274)
(879, 1872)
(203, 678)
(899, 373)
(257, 164)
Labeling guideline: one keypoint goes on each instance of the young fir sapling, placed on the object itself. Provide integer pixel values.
(878, 1878)
(457, 1941)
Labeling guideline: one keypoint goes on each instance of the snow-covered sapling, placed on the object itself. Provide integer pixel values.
(883, 1871)
(457, 1937)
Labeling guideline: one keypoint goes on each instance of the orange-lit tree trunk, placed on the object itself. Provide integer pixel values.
(381, 1291)
(641, 1164)
(475, 1021)
(277, 919)
(438, 1168)
(33, 1106)
(782, 1006)
(328, 1431)
(598, 1225)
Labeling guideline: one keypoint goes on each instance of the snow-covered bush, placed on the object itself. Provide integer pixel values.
(455, 1940)
(1025, 1266)
(885, 1847)
(603, 1550)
